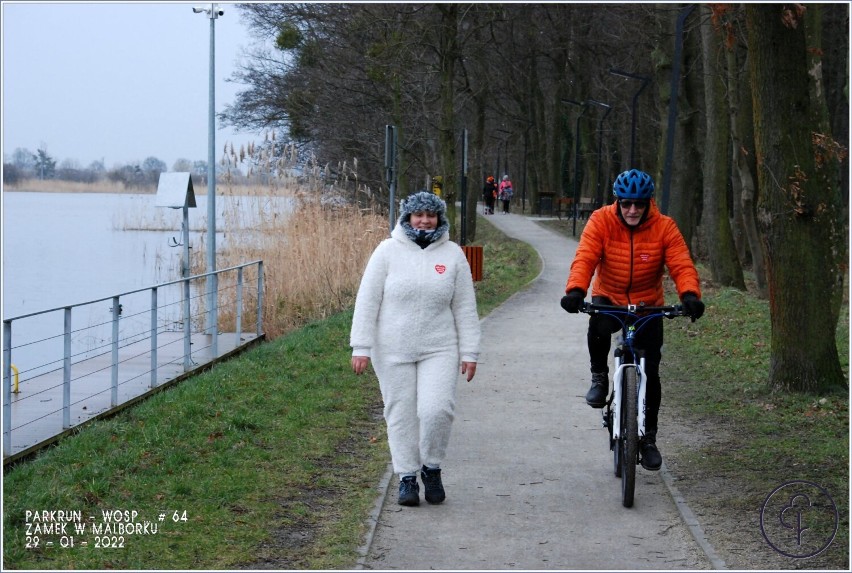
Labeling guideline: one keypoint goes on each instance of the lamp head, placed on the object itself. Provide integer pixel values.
(213, 12)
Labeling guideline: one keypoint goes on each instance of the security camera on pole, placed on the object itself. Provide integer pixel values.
(212, 326)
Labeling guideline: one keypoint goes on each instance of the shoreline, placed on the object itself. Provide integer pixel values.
(221, 190)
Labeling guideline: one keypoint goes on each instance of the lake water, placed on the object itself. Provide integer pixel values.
(67, 248)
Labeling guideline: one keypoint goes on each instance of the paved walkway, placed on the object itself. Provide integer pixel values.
(529, 475)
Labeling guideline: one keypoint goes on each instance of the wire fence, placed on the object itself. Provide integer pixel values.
(67, 365)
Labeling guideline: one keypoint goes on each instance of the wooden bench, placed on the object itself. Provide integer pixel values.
(585, 207)
(565, 206)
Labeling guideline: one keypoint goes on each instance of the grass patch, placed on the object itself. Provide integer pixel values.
(274, 456)
(259, 449)
(565, 226)
(764, 437)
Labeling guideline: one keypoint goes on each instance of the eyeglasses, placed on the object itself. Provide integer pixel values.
(628, 204)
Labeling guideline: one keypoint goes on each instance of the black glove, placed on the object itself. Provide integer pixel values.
(692, 305)
(572, 301)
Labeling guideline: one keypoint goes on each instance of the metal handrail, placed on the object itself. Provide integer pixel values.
(176, 281)
(114, 346)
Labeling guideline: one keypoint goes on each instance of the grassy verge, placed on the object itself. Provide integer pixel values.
(759, 438)
(268, 461)
(258, 448)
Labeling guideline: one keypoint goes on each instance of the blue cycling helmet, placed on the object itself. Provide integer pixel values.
(633, 184)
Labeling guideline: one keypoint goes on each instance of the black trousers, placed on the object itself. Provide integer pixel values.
(649, 338)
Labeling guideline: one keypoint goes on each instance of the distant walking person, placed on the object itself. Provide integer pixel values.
(416, 319)
(505, 193)
(489, 194)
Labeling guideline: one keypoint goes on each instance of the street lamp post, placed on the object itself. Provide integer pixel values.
(213, 13)
(524, 168)
(584, 107)
(645, 81)
(608, 109)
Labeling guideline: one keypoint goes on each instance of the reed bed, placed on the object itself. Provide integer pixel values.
(60, 186)
(313, 256)
(313, 237)
(107, 186)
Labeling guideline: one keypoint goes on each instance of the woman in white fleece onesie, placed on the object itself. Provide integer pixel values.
(415, 318)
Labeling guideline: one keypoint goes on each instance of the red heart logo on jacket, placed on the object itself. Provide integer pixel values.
(441, 269)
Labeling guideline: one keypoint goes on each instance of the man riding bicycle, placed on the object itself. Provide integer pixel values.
(629, 243)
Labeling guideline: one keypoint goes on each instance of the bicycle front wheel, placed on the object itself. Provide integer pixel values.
(615, 446)
(629, 439)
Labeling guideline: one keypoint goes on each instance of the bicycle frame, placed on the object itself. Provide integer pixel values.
(624, 443)
(630, 326)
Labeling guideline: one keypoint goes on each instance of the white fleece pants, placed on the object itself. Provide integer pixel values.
(420, 399)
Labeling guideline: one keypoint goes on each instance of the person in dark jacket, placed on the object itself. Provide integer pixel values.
(489, 194)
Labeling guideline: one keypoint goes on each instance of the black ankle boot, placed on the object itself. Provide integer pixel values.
(596, 396)
(650, 455)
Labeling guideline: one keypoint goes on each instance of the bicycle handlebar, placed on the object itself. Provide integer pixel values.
(669, 311)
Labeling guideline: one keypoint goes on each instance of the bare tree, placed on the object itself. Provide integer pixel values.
(715, 224)
(742, 150)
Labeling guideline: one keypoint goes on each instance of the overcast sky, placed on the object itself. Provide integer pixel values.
(117, 82)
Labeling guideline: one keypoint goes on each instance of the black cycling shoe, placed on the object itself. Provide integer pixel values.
(409, 491)
(596, 396)
(650, 455)
(432, 483)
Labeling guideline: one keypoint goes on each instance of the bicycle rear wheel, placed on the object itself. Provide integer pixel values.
(629, 439)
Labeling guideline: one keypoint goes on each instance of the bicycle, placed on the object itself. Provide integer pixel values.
(622, 416)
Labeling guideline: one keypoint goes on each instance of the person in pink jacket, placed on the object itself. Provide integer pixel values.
(505, 193)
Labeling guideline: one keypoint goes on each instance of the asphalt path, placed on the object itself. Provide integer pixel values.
(529, 474)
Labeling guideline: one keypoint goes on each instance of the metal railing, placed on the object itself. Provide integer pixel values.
(139, 336)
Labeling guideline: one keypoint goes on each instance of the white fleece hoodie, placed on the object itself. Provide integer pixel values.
(414, 300)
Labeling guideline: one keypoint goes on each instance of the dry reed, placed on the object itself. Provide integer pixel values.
(313, 260)
(60, 186)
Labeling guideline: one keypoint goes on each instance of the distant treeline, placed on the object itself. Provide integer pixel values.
(255, 164)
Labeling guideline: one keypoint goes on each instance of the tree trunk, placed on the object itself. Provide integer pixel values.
(738, 225)
(685, 181)
(742, 151)
(448, 43)
(715, 224)
(476, 170)
(836, 77)
(800, 201)
(744, 170)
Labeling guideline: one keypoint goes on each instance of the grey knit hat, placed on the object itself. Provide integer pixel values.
(424, 201)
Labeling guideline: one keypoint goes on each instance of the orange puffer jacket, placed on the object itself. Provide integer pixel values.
(630, 261)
